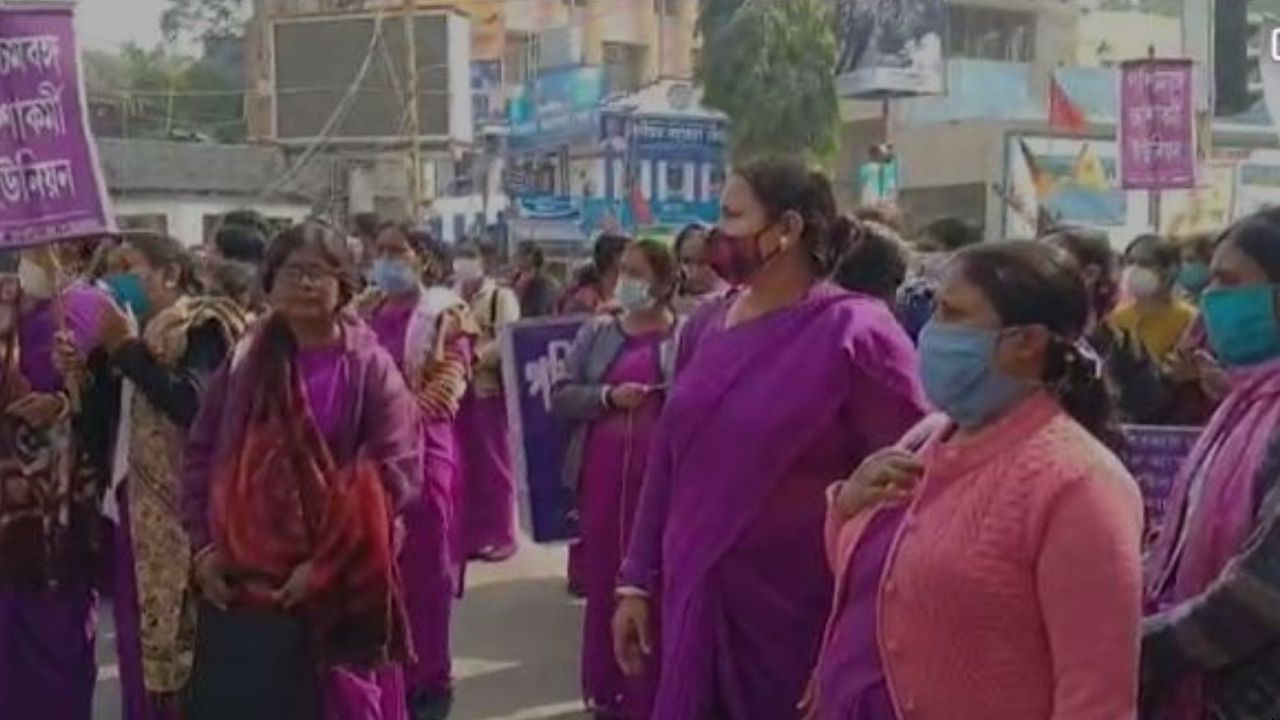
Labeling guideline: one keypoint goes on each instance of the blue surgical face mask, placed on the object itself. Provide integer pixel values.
(394, 277)
(957, 366)
(128, 291)
(1194, 276)
(633, 294)
(1242, 323)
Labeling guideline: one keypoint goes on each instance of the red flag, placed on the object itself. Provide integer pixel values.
(641, 213)
(1063, 113)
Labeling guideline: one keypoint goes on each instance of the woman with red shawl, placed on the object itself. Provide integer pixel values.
(304, 453)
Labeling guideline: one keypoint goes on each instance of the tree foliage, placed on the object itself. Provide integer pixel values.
(201, 19)
(163, 95)
(770, 67)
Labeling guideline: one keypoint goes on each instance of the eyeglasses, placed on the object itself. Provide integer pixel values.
(313, 274)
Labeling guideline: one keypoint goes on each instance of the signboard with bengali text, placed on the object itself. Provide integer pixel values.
(50, 182)
(533, 357)
(1154, 455)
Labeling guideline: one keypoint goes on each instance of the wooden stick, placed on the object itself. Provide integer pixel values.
(59, 311)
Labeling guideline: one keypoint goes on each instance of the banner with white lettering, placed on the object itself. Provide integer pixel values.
(1157, 125)
(533, 359)
(50, 183)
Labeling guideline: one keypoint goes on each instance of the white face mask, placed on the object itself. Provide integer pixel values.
(633, 294)
(467, 270)
(34, 280)
(1142, 283)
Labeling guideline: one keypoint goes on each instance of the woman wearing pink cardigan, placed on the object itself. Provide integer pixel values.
(987, 567)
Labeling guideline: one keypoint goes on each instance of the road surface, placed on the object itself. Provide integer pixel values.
(516, 639)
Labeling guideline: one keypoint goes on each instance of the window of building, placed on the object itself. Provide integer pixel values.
(522, 58)
(990, 34)
(667, 7)
(148, 222)
(675, 181)
(623, 67)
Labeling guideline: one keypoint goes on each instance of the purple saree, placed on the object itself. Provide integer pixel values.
(763, 417)
(47, 666)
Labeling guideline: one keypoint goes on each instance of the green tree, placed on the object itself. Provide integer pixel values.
(164, 95)
(201, 19)
(770, 67)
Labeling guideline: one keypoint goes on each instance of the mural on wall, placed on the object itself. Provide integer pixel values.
(1070, 181)
(1206, 208)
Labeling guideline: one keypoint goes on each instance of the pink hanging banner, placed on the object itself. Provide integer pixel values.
(1156, 126)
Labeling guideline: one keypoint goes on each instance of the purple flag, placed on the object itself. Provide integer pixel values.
(1154, 455)
(50, 185)
(1157, 137)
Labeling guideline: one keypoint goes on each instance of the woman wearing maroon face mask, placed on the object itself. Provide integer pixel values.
(780, 389)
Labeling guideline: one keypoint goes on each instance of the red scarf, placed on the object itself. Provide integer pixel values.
(283, 501)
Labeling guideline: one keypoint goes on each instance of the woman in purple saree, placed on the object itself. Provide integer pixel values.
(780, 390)
(53, 445)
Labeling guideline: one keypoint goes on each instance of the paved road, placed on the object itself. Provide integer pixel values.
(516, 639)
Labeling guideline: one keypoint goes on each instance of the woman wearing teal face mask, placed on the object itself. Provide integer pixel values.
(1195, 273)
(1212, 643)
(612, 396)
(996, 545)
(166, 348)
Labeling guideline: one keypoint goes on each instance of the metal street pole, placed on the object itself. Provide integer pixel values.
(414, 122)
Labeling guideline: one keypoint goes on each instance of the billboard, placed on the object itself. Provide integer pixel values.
(890, 48)
(310, 86)
(558, 106)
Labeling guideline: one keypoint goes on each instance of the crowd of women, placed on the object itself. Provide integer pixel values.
(818, 472)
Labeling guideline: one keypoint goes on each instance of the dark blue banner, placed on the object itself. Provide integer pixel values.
(533, 357)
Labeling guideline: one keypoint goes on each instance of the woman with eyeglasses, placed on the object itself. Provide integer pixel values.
(619, 368)
(305, 452)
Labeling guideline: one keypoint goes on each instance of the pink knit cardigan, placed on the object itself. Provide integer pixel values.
(1013, 589)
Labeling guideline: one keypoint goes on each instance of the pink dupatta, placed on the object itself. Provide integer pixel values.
(1234, 445)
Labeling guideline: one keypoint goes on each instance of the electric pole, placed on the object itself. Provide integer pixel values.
(414, 122)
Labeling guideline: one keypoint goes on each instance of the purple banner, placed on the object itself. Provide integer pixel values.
(1154, 455)
(533, 357)
(50, 186)
(1157, 137)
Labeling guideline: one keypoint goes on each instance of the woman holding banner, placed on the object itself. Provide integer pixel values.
(618, 370)
(427, 328)
(55, 438)
(781, 388)
(306, 450)
(1212, 643)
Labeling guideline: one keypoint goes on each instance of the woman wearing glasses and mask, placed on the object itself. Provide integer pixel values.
(305, 451)
(780, 388)
(618, 369)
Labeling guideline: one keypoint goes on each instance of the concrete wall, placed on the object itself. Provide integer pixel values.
(185, 214)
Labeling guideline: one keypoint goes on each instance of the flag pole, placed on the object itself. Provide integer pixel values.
(1153, 195)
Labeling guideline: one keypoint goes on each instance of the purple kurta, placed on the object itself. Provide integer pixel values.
(47, 665)
(851, 677)
(427, 566)
(613, 466)
(489, 487)
(762, 418)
